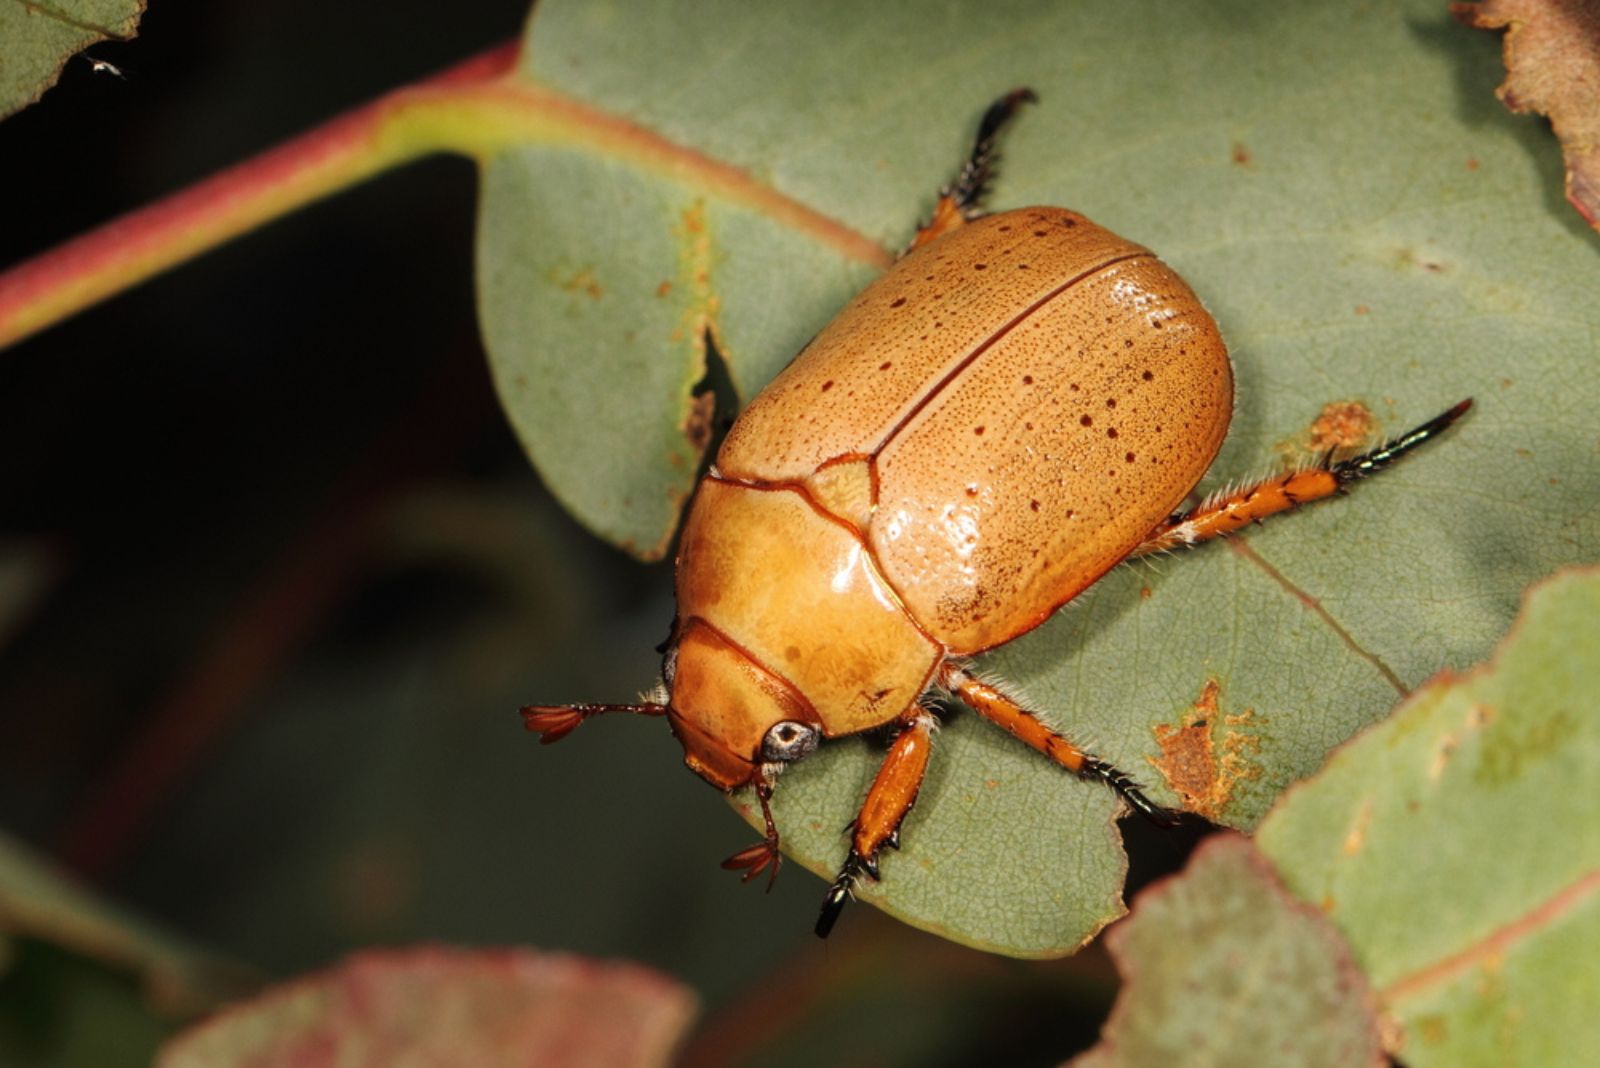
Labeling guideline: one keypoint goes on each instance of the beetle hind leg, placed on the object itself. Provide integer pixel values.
(1227, 512)
(997, 707)
(889, 798)
(961, 199)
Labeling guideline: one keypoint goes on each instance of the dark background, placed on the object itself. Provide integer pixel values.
(287, 577)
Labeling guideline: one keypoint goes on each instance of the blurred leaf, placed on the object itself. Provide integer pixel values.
(27, 571)
(1455, 846)
(40, 38)
(1221, 966)
(38, 903)
(448, 1006)
(1339, 185)
(61, 1010)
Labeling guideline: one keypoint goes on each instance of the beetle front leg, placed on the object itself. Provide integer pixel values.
(764, 855)
(997, 707)
(959, 200)
(1227, 512)
(893, 792)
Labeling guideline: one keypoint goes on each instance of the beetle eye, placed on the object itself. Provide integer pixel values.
(789, 741)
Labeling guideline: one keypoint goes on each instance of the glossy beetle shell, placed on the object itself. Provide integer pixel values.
(979, 435)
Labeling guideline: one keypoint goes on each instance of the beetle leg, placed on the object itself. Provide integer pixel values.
(764, 855)
(959, 201)
(1227, 512)
(555, 722)
(997, 707)
(893, 792)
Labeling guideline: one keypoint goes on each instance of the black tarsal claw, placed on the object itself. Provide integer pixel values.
(1129, 790)
(840, 892)
(1360, 467)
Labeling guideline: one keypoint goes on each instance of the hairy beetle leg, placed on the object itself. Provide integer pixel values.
(1227, 512)
(889, 798)
(998, 708)
(960, 200)
(554, 722)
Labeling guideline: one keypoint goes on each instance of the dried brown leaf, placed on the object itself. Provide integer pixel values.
(1552, 57)
(436, 1005)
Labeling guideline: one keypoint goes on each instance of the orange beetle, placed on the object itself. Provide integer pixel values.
(1020, 403)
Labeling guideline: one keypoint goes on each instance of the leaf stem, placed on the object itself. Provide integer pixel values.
(477, 108)
(126, 251)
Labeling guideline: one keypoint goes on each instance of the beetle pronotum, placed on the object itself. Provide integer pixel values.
(1019, 404)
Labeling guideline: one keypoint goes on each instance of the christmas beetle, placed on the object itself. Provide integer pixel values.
(1020, 403)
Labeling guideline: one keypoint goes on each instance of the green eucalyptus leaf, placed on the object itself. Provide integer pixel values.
(39, 38)
(41, 904)
(1222, 966)
(1455, 846)
(1338, 183)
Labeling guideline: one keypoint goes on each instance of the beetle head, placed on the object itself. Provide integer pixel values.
(731, 715)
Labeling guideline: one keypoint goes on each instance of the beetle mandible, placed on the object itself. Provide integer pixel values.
(1020, 403)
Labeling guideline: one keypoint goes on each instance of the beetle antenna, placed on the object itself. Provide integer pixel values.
(554, 722)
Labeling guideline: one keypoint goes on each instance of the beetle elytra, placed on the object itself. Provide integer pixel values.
(1023, 401)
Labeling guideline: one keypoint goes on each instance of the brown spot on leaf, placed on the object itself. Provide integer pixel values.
(1190, 761)
(1341, 425)
(1405, 256)
(697, 424)
(1241, 154)
(584, 282)
(1431, 1029)
(1356, 836)
(1552, 58)
(663, 289)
